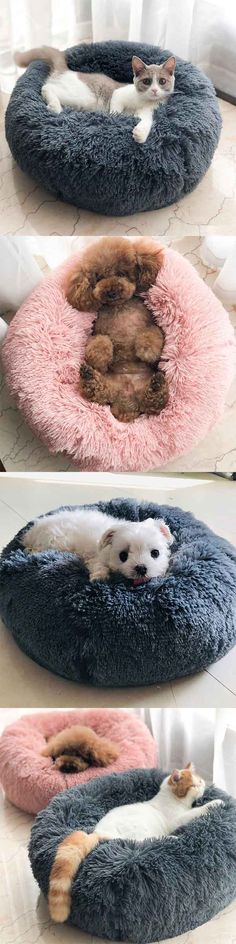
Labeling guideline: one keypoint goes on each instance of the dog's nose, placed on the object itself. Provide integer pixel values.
(111, 293)
(141, 570)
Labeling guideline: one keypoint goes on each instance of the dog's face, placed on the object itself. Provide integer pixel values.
(139, 550)
(112, 271)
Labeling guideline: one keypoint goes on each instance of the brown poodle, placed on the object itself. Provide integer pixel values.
(79, 747)
(121, 357)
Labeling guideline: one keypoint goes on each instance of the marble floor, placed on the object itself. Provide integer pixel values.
(24, 917)
(23, 497)
(27, 208)
(20, 450)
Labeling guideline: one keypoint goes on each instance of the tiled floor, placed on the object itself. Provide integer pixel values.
(24, 916)
(19, 449)
(24, 682)
(28, 208)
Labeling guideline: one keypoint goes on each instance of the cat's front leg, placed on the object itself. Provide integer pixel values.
(53, 102)
(117, 103)
(201, 811)
(142, 129)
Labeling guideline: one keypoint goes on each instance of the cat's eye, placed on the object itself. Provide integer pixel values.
(123, 556)
(146, 81)
(162, 81)
(155, 553)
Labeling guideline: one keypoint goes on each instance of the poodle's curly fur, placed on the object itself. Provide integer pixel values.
(121, 358)
(78, 747)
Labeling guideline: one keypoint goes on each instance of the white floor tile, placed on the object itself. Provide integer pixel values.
(225, 670)
(204, 690)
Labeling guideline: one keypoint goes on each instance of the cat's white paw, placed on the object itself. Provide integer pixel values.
(139, 134)
(217, 803)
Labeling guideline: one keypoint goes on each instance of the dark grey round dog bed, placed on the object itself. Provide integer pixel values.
(106, 633)
(144, 891)
(91, 159)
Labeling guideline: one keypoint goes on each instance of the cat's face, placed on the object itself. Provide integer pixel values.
(186, 784)
(154, 83)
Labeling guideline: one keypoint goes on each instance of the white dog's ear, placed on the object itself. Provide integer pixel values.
(163, 527)
(106, 538)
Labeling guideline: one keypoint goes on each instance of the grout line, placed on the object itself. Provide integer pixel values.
(14, 510)
(220, 683)
(173, 694)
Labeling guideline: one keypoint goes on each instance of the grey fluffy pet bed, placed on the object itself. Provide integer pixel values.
(91, 159)
(106, 633)
(144, 891)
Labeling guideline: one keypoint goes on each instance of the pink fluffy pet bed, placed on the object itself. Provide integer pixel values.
(45, 346)
(30, 780)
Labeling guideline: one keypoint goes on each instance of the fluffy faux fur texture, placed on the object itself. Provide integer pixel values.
(78, 747)
(30, 779)
(140, 892)
(91, 160)
(63, 621)
(45, 347)
(170, 809)
(121, 359)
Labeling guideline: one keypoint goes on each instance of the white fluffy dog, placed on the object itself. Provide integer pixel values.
(140, 550)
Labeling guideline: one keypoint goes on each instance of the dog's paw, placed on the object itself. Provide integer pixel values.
(139, 134)
(106, 754)
(86, 372)
(158, 380)
(148, 345)
(98, 573)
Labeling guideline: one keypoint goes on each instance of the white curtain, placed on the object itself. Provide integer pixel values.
(25, 23)
(203, 31)
(19, 272)
(224, 767)
(207, 737)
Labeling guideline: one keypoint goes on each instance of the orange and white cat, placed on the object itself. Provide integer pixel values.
(170, 808)
(90, 91)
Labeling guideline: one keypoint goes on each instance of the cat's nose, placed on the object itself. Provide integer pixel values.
(141, 570)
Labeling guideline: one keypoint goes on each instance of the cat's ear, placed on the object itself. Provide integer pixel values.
(138, 65)
(190, 766)
(169, 65)
(149, 260)
(175, 776)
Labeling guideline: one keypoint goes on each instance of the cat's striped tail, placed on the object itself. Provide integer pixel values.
(68, 858)
(55, 57)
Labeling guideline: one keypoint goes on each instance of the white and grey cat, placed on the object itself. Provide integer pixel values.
(170, 808)
(90, 91)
